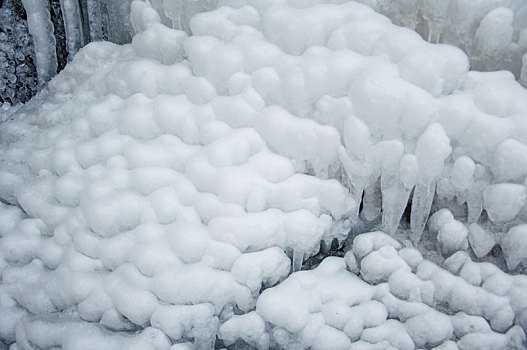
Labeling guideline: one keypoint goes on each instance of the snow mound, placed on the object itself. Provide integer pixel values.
(164, 187)
(332, 308)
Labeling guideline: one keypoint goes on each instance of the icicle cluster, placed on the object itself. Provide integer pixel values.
(18, 80)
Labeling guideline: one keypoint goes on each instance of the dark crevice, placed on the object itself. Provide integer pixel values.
(361, 205)
(332, 249)
(19, 9)
(3, 201)
(239, 344)
(405, 219)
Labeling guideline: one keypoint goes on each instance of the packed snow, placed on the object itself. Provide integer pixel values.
(185, 191)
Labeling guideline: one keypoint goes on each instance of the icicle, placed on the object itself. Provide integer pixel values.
(394, 201)
(429, 38)
(371, 205)
(172, 10)
(338, 232)
(434, 33)
(324, 247)
(475, 195)
(475, 206)
(396, 191)
(72, 26)
(118, 26)
(358, 141)
(356, 195)
(355, 182)
(421, 205)
(95, 17)
(432, 148)
(435, 12)
(395, 172)
(41, 29)
(298, 259)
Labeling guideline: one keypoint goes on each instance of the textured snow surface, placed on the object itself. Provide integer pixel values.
(164, 191)
(493, 33)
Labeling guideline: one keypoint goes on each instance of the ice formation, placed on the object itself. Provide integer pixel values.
(166, 193)
(493, 33)
(47, 34)
(18, 80)
(41, 28)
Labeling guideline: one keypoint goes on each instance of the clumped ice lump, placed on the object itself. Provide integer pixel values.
(165, 194)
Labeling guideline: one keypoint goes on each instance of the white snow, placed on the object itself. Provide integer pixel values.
(504, 201)
(452, 237)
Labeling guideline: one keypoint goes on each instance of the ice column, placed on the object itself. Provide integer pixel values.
(385, 157)
(432, 148)
(41, 29)
(475, 194)
(71, 13)
(396, 186)
(298, 259)
(358, 142)
(117, 24)
(96, 17)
